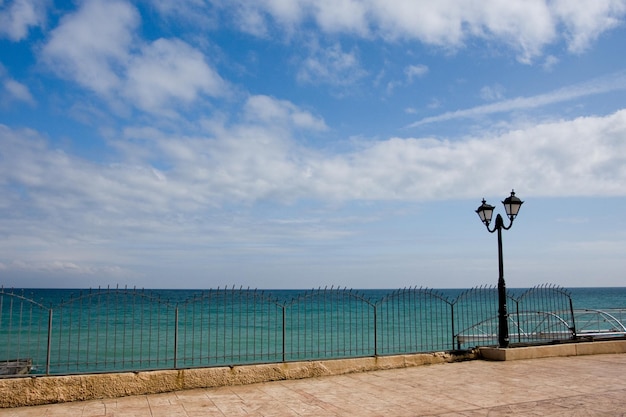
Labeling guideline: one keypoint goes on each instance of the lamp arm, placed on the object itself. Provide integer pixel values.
(495, 227)
(499, 224)
(509, 226)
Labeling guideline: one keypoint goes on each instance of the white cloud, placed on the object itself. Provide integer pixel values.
(612, 82)
(17, 92)
(250, 20)
(92, 45)
(438, 23)
(550, 62)
(106, 57)
(492, 92)
(341, 16)
(196, 12)
(65, 267)
(415, 71)
(258, 18)
(585, 24)
(18, 16)
(411, 72)
(527, 27)
(259, 159)
(280, 112)
(331, 66)
(169, 70)
(285, 11)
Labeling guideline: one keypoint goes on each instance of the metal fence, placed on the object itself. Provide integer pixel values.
(109, 330)
(540, 314)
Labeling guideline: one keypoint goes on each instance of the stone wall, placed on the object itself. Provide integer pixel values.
(37, 390)
(547, 351)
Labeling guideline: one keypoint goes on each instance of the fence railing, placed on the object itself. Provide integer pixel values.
(109, 330)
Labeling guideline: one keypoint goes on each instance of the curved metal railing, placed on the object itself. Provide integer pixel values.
(110, 330)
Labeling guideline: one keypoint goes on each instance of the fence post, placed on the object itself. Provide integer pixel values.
(376, 329)
(452, 326)
(571, 309)
(176, 338)
(519, 330)
(48, 353)
(284, 333)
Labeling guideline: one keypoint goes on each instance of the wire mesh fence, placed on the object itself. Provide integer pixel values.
(542, 314)
(591, 323)
(230, 326)
(414, 320)
(24, 332)
(475, 317)
(108, 330)
(329, 323)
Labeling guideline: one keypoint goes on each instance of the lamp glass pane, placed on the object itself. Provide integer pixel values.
(512, 208)
(485, 212)
(512, 205)
(486, 215)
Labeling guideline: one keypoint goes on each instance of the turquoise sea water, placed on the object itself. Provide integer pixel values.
(599, 298)
(69, 331)
(589, 297)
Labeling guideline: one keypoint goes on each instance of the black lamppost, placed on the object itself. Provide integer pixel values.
(512, 205)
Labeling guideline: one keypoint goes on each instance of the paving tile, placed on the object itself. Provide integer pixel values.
(553, 387)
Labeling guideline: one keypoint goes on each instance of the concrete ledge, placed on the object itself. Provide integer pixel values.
(548, 351)
(38, 390)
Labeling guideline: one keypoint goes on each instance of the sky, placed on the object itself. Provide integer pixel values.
(311, 143)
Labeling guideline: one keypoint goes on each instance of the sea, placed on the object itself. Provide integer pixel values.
(582, 297)
(69, 331)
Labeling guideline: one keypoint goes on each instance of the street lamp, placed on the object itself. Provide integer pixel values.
(512, 205)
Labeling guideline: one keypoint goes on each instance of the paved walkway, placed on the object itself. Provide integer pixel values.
(574, 386)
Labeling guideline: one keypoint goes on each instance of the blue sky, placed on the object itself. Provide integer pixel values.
(308, 143)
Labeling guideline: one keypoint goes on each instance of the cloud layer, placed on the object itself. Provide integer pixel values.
(69, 205)
(140, 136)
(259, 158)
(527, 27)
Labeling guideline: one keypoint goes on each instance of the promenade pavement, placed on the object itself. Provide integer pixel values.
(592, 385)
